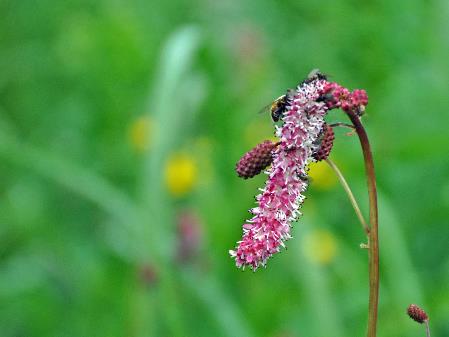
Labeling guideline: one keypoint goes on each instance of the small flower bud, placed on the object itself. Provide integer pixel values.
(417, 314)
(327, 141)
(359, 100)
(255, 160)
(359, 97)
(341, 95)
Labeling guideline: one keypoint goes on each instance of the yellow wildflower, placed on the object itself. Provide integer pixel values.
(180, 174)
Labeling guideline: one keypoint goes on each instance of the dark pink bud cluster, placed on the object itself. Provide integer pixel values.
(359, 97)
(337, 96)
(417, 314)
(326, 143)
(255, 160)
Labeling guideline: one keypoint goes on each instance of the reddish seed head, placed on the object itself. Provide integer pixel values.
(417, 314)
(327, 141)
(255, 160)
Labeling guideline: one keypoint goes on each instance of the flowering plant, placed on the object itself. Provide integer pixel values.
(304, 137)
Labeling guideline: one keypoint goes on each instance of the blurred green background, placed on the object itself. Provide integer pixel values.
(120, 125)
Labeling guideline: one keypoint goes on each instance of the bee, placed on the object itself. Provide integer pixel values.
(315, 74)
(278, 106)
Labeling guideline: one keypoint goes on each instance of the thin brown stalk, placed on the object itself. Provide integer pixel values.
(349, 126)
(373, 239)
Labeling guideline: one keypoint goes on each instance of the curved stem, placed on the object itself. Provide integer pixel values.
(348, 191)
(373, 238)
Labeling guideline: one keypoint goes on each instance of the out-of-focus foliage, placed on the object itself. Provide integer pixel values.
(120, 125)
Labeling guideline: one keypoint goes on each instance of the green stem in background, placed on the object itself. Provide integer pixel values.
(348, 191)
(373, 238)
(427, 328)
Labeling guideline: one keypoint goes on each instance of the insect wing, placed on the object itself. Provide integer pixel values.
(265, 109)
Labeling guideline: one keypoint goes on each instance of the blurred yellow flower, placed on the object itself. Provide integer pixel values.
(320, 246)
(140, 133)
(180, 174)
(322, 175)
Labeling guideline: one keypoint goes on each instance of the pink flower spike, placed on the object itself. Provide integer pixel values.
(278, 203)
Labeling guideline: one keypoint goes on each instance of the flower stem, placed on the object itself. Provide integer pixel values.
(427, 328)
(348, 191)
(373, 239)
(349, 126)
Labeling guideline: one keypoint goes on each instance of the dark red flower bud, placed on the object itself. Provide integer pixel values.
(327, 141)
(417, 314)
(255, 160)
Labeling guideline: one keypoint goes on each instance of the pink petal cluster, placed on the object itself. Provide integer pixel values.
(338, 96)
(278, 203)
